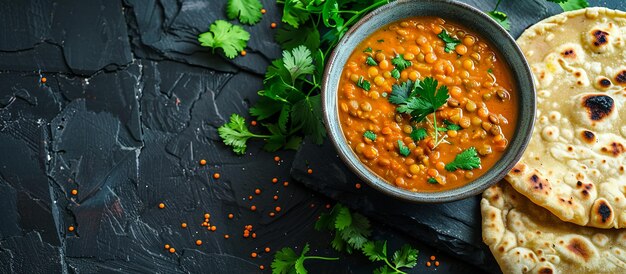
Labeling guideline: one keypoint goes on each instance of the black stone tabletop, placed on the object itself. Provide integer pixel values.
(129, 106)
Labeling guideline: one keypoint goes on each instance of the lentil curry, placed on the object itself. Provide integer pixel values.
(427, 104)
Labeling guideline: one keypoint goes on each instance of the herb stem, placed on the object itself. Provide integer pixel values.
(393, 267)
(497, 4)
(435, 125)
(321, 258)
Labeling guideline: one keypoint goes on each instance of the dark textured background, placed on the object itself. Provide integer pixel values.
(130, 106)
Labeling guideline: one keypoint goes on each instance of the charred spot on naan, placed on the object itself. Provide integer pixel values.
(602, 213)
(600, 37)
(518, 169)
(545, 270)
(614, 149)
(579, 249)
(539, 184)
(602, 83)
(620, 77)
(588, 136)
(598, 106)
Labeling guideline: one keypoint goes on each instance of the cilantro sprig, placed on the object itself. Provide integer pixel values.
(248, 11)
(230, 38)
(351, 231)
(450, 41)
(287, 261)
(466, 160)
(370, 135)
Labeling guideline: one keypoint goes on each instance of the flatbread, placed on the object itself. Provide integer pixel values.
(526, 238)
(574, 164)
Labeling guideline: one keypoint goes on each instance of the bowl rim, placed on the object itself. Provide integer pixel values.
(374, 180)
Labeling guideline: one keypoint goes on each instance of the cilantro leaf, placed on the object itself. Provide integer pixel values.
(232, 39)
(402, 149)
(235, 133)
(432, 181)
(467, 160)
(418, 134)
(375, 251)
(343, 218)
(569, 5)
(430, 99)
(400, 63)
(405, 257)
(265, 108)
(295, 13)
(490, 70)
(284, 261)
(299, 265)
(449, 41)
(370, 135)
(368, 50)
(248, 11)
(370, 61)
(298, 62)
(395, 73)
(501, 18)
(451, 126)
(289, 37)
(305, 115)
(400, 92)
(356, 234)
(364, 84)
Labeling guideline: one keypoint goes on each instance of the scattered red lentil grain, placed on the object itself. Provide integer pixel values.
(205, 224)
(213, 228)
(172, 250)
(276, 158)
(272, 214)
(263, 11)
(274, 180)
(250, 197)
(183, 225)
(207, 215)
(436, 263)
(74, 191)
(277, 209)
(253, 208)
(243, 53)
(327, 205)
(358, 186)
(285, 183)
(267, 250)
(257, 191)
(44, 79)
(312, 205)
(275, 197)
(226, 236)
(161, 205)
(198, 242)
(230, 216)
(253, 255)
(309, 171)
(253, 123)
(167, 246)
(261, 267)
(202, 162)
(432, 257)
(216, 175)
(273, 25)
(253, 235)
(428, 264)
(70, 229)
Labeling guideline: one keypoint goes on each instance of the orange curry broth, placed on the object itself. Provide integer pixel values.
(482, 101)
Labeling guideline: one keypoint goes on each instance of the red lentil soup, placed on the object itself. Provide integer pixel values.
(476, 121)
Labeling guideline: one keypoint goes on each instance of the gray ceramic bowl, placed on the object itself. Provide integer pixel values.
(464, 15)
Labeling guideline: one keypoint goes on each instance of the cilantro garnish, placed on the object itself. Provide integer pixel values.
(248, 11)
(395, 73)
(451, 126)
(402, 149)
(400, 63)
(370, 135)
(490, 70)
(418, 134)
(404, 257)
(287, 261)
(569, 5)
(380, 41)
(501, 18)
(467, 160)
(370, 61)
(448, 40)
(364, 84)
(368, 50)
(432, 180)
(230, 38)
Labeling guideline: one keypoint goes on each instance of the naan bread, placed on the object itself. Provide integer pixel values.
(574, 164)
(526, 238)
